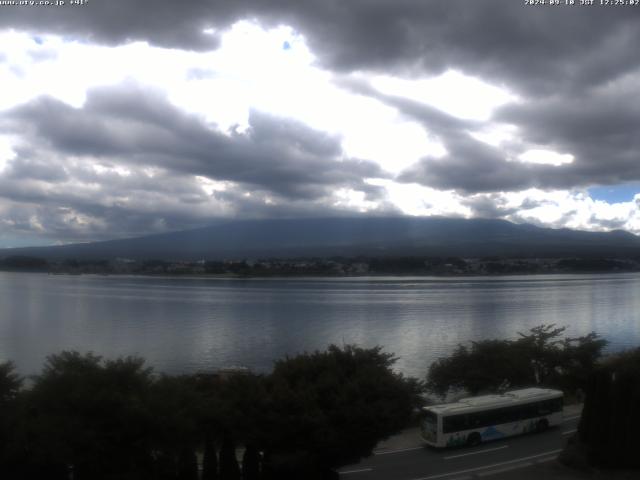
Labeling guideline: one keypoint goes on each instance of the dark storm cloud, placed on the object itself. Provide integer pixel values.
(469, 165)
(488, 206)
(530, 49)
(164, 22)
(92, 206)
(141, 127)
(598, 126)
(567, 64)
(126, 163)
(615, 224)
(254, 206)
(433, 119)
(554, 57)
(540, 50)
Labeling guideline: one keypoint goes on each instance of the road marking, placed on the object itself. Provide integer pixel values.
(549, 459)
(552, 452)
(566, 419)
(398, 451)
(476, 453)
(504, 469)
(362, 470)
(568, 432)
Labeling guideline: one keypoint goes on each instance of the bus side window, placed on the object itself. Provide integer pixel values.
(478, 419)
(558, 403)
(529, 411)
(513, 414)
(454, 423)
(502, 415)
(546, 407)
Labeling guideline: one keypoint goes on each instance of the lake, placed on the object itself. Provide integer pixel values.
(194, 324)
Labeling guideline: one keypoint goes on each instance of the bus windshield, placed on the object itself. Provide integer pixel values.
(429, 425)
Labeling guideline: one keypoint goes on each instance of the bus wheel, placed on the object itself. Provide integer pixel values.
(542, 425)
(474, 439)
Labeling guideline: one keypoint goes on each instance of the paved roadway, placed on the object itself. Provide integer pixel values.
(405, 458)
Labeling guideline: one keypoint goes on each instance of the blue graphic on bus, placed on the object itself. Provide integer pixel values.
(491, 433)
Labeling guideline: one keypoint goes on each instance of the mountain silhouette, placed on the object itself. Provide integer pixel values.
(367, 236)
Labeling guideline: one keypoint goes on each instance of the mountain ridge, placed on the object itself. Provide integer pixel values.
(351, 236)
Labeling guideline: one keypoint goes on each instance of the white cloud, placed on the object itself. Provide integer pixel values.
(452, 92)
(268, 70)
(273, 71)
(211, 186)
(415, 199)
(6, 151)
(570, 209)
(101, 168)
(353, 200)
(546, 157)
(495, 134)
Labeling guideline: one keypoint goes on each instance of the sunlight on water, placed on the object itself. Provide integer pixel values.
(185, 325)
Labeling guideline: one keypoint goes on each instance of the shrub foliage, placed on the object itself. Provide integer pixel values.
(610, 419)
(96, 419)
(540, 357)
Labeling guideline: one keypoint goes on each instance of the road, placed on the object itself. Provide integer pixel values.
(405, 458)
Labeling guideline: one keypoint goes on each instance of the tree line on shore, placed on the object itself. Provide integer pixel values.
(84, 417)
(323, 266)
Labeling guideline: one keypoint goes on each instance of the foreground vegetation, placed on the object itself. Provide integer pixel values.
(115, 419)
(542, 356)
(84, 417)
(609, 430)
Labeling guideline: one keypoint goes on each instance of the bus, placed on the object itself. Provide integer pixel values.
(473, 420)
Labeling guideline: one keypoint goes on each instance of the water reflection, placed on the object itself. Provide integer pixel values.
(194, 324)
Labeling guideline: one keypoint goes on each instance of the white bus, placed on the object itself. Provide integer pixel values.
(473, 420)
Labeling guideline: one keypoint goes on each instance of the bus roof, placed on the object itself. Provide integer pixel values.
(486, 402)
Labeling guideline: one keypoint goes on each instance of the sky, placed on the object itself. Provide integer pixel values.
(121, 118)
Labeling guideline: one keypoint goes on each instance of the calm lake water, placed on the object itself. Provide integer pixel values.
(186, 325)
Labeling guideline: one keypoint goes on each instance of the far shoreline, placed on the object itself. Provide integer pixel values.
(381, 276)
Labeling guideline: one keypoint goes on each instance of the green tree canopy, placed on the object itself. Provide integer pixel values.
(10, 382)
(486, 366)
(610, 419)
(331, 408)
(540, 357)
(10, 385)
(116, 419)
(90, 414)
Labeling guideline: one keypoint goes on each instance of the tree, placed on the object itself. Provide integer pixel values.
(187, 465)
(19, 262)
(241, 407)
(209, 462)
(10, 385)
(176, 432)
(580, 356)
(90, 415)
(540, 357)
(610, 421)
(542, 346)
(10, 382)
(229, 468)
(251, 463)
(115, 419)
(486, 366)
(327, 409)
